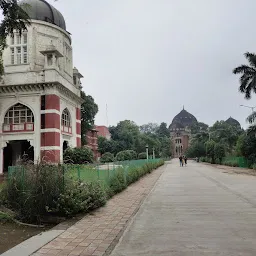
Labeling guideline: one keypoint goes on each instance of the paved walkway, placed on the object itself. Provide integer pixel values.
(98, 233)
(193, 211)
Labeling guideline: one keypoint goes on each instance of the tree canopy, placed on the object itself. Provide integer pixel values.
(89, 109)
(127, 135)
(248, 75)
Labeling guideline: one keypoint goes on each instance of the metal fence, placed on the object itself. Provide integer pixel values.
(104, 172)
(90, 172)
(239, 161)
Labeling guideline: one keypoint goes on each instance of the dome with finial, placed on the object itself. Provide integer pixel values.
(233, 122)
(42, 10)
(184, 118)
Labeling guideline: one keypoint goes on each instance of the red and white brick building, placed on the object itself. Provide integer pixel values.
(181, 132)
(40, 92)
(92, 142)
(103, 131)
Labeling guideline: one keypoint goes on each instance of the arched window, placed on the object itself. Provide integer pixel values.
(19, 114)
(18, 118)
(66, 121)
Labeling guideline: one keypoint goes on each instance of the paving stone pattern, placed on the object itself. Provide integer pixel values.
(98, 233)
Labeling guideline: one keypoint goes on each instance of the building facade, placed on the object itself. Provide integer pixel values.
(181, 132)
(40, 91)
(92, 142)
(103, 131)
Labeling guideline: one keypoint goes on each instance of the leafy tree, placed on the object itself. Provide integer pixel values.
(126, 134)
(163, 131)
(247, 145)
(251, 119)
(219, 151)
(165, 150)
(105, 145)
(149, 128)
(15, 19)
(248, 75)
(210, 145)
(198, 127)
(89, 109)
(197, 149)
(224, 133)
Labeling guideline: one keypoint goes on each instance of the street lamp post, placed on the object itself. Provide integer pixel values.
(153, 153)
(147, 151)
(252, 108)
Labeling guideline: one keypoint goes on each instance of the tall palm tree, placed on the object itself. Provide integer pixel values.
(248, 75)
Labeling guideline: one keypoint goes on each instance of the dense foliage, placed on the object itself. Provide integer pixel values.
(82, 155)
(126, 135)
(15, 20)
(220, 140)
(89, 109)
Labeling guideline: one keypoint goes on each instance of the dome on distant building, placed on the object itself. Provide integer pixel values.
(177, 126)
(42, 10)
(232, 121)
(184, 118)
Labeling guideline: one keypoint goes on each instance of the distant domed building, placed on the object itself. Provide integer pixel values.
(180, 132)
(233, 122)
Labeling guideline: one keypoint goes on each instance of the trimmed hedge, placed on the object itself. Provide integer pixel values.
(126, 155)
(107, 158)
(82, 155)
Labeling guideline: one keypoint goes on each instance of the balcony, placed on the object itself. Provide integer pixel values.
(66, 129)
(25, 127)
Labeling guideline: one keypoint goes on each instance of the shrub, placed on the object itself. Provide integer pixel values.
(35, 192)
(126, 155)
(219, 151)
(78, 155)
(117, 182)
(80, 197)
(30, 190)
(254, 166)
(142, 155)
(107, 158)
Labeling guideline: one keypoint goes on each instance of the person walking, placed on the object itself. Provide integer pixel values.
(181, 161)
(186, 160)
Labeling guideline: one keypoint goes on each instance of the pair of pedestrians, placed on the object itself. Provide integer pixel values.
(183, 161)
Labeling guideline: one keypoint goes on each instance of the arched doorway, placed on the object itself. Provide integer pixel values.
(18, 120)
(17, 151)
(65, 146)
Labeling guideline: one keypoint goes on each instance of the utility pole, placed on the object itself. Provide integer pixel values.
(147, 151)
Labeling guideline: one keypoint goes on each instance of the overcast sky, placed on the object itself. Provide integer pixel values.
(145, 59)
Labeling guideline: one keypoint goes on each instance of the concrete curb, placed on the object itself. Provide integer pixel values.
(33, 244)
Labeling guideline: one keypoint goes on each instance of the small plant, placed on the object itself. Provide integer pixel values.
(79, 197)
(107, 158)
